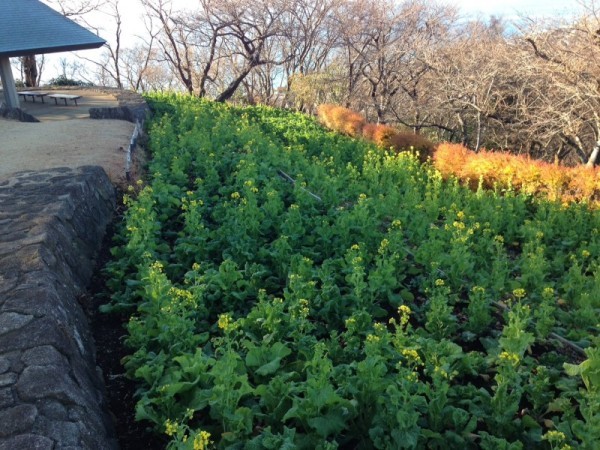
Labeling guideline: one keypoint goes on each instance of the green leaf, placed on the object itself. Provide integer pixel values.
(529, 422)
(407, 296)
(329, 424)
(269, 368)
(199, 399)
(267, 358)
(589, 370)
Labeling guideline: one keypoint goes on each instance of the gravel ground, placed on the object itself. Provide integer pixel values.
(63, 138)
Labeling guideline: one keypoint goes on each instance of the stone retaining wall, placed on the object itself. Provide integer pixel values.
(132, 107)
(51, 393)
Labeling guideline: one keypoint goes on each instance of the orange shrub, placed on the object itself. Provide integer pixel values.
(491, 168)
(338, 117)
(324, 114)
(450, 159)
(341, 119)
(354, 124)
(412, 142)
(368, 131)
(520, 172)
(346, 121)
(382, 134)
(583, 182)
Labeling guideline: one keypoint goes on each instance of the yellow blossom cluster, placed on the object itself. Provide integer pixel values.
(556, 438)
(519, 293)
(478, 290)
(383, 246)
(511, 358)
(548, 292)
(404, 312)
(157, 266)
(371, 338)
(437, 370)
(226, 323)
(304, 309)
(171, 427)
(412, 356)
(202, 440)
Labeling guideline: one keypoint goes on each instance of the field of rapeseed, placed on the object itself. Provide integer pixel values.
(293, 288)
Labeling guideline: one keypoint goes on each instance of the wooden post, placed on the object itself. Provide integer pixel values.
(8, 83)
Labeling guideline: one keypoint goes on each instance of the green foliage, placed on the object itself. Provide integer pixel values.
(355, 307)
(63, 80)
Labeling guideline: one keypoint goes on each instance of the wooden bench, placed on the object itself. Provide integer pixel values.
(64, 97)
(33, 95)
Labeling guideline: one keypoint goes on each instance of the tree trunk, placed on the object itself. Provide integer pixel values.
(30, 70)
(230, 90)
(478, 141)
(591, 162)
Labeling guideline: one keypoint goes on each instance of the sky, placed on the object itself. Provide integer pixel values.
(131, 11)
(510, 9)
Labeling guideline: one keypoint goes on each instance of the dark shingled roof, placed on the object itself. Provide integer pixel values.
(29, 27)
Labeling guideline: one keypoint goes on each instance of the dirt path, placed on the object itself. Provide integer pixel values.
(68, 143)
(65, 137)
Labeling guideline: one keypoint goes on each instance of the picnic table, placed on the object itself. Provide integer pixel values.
(64, 97)
(33, 95)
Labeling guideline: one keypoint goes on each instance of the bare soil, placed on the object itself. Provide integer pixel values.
(109, 334)
(66, 137)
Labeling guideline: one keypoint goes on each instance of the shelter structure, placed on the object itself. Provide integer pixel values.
(29, 27)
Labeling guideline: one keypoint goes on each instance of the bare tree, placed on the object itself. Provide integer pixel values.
(253, 26)
(215, 47)
(567, 104)
(75, 8)
(110, 66)
(312, 36)
(174, 41)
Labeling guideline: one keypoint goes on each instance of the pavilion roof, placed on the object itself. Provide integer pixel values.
(29, 27)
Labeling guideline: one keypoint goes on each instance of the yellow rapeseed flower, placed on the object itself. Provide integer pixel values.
(404, 310)
(225, 322)
(510, 357)
(404, 313)
(519, 293)
(171, 427)
(202, 440)
(437, 370)
(554, 436)
(412, 356)
(372, 338)
(548, 292)
(157, 266)
(384, 244)
(379, 327)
